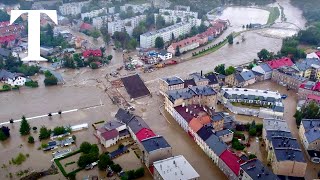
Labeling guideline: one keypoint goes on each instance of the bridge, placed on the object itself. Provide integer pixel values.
(284, 26)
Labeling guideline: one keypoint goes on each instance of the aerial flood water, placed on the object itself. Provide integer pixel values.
(85, 91)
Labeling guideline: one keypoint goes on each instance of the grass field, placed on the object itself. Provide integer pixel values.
(274, 15)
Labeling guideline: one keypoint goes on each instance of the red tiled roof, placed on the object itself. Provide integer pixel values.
(6, 39)
(85, 26)
(313, 97)
(145, 133)
(318, 53)
(95, 53)
(316, 87)
(197, 123)
(185, 42)
(196, 109)
(231, 160)
(275, 64)
(107, 135)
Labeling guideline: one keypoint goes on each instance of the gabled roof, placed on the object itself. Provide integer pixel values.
(275, 64)
(95, 53)
(306, 64)
(205, 132)
(189, 82)
(107, 135)
(155, 143)
(124, 116)
(256, 170)
(239, 78)
(197, 123)
(4, 52)
(7, 75)
(145, 133)
(231, 160)
(213, 79)
(85, 26)
(113, 124)
(188, 112)
(265, 67)
(216, 145)
(247, 75)
(223, 132)
(173, 80)
(136, 124)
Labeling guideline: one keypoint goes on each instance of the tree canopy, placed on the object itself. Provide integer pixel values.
(159, 43)
(310, 111)
(24, 127)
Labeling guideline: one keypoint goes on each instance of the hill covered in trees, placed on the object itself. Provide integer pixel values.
(310, 8)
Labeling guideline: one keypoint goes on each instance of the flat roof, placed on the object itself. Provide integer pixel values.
(135, 86)
(176, 167)
(275, 124)
(254, 92)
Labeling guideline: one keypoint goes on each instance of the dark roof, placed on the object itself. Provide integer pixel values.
(290, 178)
(137, 123)
(173, 80)
(6, 74)
(277, 133)
(107, 135)
(197, 77)
(205, 132)
(163, 52)
(5, 52)
(306, 64)
(117, 152)
(124, 116)
(239, 78)
(203, 90)
(189, 82)
(284, 142)
(223, 132)
(313, 153)
(312, 129)
(288, 154)
(257, 73)
(217, 116)
(217, 145)
(188, 93)
(266, 67)
(196, 109)
(155, 143)
(135, 86)
(278, 108)
(256, 170)
(213, 79)
(247, 75)
(114, 124)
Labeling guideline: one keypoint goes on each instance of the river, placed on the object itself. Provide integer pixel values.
(85, 88)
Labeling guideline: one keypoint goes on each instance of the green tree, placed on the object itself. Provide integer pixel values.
(85, 147)
(264, 55)
(4, 16)
(132, 44)
(139, 172)
(178, 53)
(150, 20)
(45, 133)
(94, 65)
(50, 81)
(230, 39)
(116, 168)
(230, 70)
(24, 127)
(95, 33)
(220, 69)
(69, 62)
(194, 31)
(104, 161)
(4, 133)
(59, 130)
(252, 156)
(159, 43)
(202, 28)
(30, 140)
(74, 137)
(160, 22)
(109, 57)
(178, 20)
(310, 111)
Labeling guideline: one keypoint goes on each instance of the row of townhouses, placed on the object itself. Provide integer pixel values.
(156, 151)
(192, 106)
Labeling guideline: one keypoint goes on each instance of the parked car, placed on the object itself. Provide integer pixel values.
(91, 166)
(284, 96)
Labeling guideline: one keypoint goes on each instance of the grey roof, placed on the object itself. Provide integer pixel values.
(266, 67)
(217, 116)
(188, 93)
(169, 28)
(257, 73)
(216, 145)
(275, 124)
(124, 116)
(137, 123)
(247, 75)
(256, 170)
(163, 52)
(312, 129)
(173, 80)
(5, 52)
(239, 78)
(309, 85)
(6, 74)
(197, 77)
(277, 133)
(278, 108)
(306, 64)
(113, 124)
(223, 132)
(289, 154)
(213, 79)
(284, 142)
(155, 143)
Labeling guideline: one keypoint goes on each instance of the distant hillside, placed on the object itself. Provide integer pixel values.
(310, 8)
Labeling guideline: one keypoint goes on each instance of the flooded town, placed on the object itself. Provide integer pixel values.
(155, 89)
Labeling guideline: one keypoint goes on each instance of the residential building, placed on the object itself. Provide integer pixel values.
(92, 52)
(308, 88)
(13, 79)
(275, 64)
(164, 55)
(312, 98)
(185, 16)
(248, 77)
(214, 147)
(167, 84)
(309, 133)
(313, 55)
(284, 153)
(235, 80)
(125, 25)
(154, 149)
(10, 34)
(264, 69)
(286, 76)
(136, 8)
(85, 27)
(111, 133)
(144, 133)
(229, 163)
(213, 80)
(200, 95)
(226, 135)
(73, 8)
(135, 125)
(262, 97)
(147, 40)
(176, 167)
(255, 170)
(199, 79)
(5, 53)
(184, 45)
(306, 66)
(94, 13)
